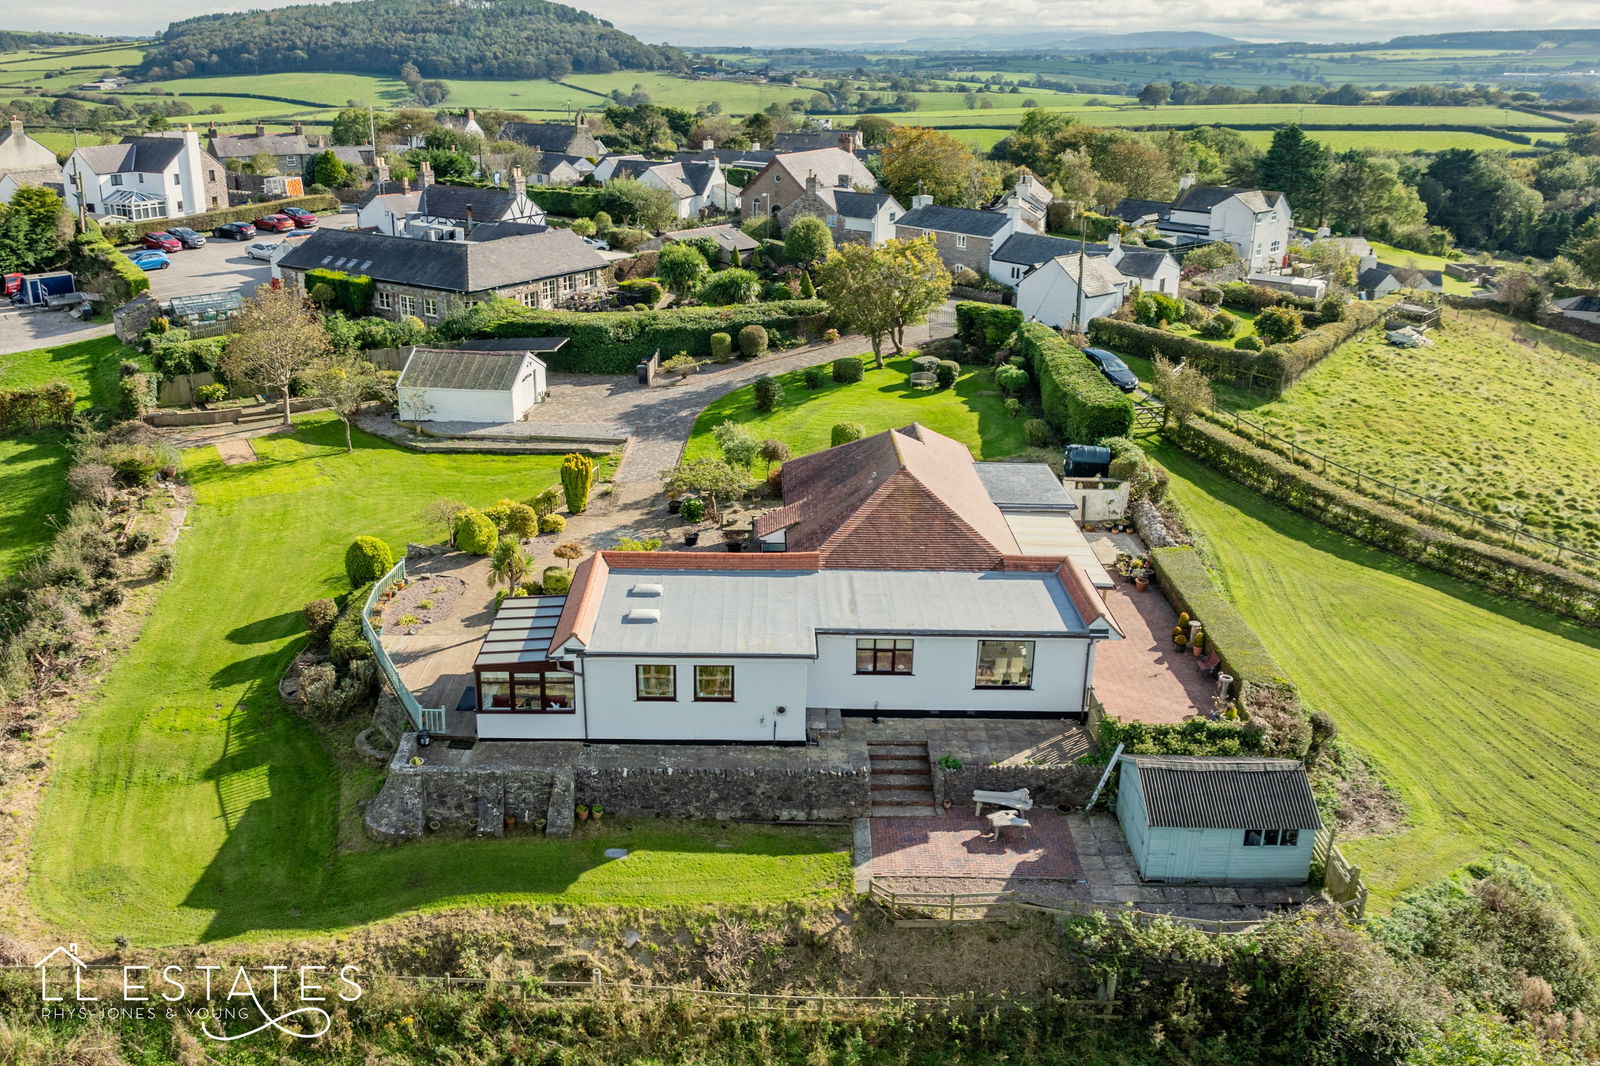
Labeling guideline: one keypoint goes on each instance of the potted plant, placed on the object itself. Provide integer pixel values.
(511, 821)
(691, 538)
(1141, 578)
(583, 812)
(1199, 643)
(595, 811)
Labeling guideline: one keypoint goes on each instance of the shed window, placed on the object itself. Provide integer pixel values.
(1271, 838)
(1004, 664)
(876, 655)
(713, 683)
(655, 682)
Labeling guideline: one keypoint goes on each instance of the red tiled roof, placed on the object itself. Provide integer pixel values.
(583, 602)
(901, 499)
(711, 561)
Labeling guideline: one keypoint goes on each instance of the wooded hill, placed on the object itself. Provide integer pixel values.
(444, 39)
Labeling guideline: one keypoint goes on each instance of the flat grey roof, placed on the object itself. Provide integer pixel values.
(521, 631)
(779, 612)
(1024, 487)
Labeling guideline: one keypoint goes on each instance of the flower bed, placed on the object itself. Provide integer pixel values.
(428, 598)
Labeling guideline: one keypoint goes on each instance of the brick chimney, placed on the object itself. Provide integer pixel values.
(211, 128)
(298, 129)
(470, 116)
(519, 183)
(424, 174)
(707, 145)
(382, 166)
(16, 126)
(261, 131)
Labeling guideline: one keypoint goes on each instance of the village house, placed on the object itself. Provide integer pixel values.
(490, 387)
(783, 180)
(1383, 279)
(291, 153)
(1256, 222)
(847, 140)
(385, 205)
(454, 212)
(466, 123)
(24, 161)
(553, 168)
(1584, 308)
(549, 268)
(729, 238)
(1028, 201)
(563, 138)
(158, 175)
(1045, 271)
(697, 188)
(965, 236)
(832, 614)
(852, 217)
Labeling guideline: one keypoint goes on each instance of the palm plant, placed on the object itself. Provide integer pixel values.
(508, 564)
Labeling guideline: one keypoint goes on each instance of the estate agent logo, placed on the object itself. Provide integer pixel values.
(198, 993)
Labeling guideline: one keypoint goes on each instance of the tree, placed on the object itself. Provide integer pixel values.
(1183, 390)
(260, 164)
(1296, 166)
(351, 126)
(348, 383)
(34, 227)
(643, 205)
(919, 160)
(1279, 325)
(366, 560)
(508, 565)
(808, 241)
(916, 281)
(734, 285)
(711, 478)
(276, 337)
(738, 447)
(853, 280)
(680, 266)
(329, 170)
(759, 128)
(1134, 165)
(521, 522)
(1583, 137)
(1154, 95)
(577, 478)
(875, 130)
(773, 451)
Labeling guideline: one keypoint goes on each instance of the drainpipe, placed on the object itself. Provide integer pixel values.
(583, 683)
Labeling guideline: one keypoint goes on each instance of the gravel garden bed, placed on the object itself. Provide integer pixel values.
(427, 598)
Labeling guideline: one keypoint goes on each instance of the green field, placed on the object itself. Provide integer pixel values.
(1496, 414)
(1396, 140)
(326, 88)
(187, 804)
(737, 98)
(973, 412)
(1480, 712)
(1242, 114)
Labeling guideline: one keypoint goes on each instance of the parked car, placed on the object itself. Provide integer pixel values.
(303, 219)
(1115, 370)
(262, 250)
(275, 223)
(150, 259)
(188, 237)
(234, 231)
(161, 241)
(597, 243)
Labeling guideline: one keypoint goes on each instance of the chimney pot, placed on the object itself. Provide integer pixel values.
(261, 131)
(1186, 182)
(921, 199)
(16, 125)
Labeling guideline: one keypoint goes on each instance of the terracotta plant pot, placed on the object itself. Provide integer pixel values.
(1141, 583)
(583, 814)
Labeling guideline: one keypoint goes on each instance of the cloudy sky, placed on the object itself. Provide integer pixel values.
(765, 22)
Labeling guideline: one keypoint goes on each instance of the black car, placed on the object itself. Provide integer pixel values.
(235, 231)
(1115, 370)
(187, 237)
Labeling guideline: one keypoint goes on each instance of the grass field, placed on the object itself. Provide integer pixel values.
(186, 804)
(330, 89)
(737, 98)
(1480, 712)
(1496, 414)
(1242, 114)
(91, 367)
(1395, 140)
(972, 412)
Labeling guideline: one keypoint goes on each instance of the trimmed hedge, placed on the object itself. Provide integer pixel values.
(568, 201)
(352, 292)
(1147, 342)
(1188, 586)
(345, 642)
(99, 265)
(989, 326)
(1285, 363)
(1082, 405)
(1242, 296)
(1545, 585)
(614, 342)
(207, 221)
(1197, 736)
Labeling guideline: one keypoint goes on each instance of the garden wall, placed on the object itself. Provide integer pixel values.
(1048, 786)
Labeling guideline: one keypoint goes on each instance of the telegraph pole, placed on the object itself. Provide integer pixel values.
(1083, 236)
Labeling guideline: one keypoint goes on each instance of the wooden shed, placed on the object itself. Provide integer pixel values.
(1218, 820)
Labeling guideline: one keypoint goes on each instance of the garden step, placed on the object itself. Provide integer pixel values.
(881, 782)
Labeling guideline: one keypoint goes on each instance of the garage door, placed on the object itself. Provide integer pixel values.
(1057, 534)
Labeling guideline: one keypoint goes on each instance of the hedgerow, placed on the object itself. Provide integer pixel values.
(989, 326)
(1082, 405)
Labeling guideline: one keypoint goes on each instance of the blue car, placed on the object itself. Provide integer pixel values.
(1115, 370)
(150, 259)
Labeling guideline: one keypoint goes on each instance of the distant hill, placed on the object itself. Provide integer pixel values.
(1054, 40)
(443, 38)
(16, 40)
(1510, 40)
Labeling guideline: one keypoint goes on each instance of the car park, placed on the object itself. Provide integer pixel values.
(262, 250)
(188, 237)
(161, 241)
(150, 259)
(275, 223)
(303, 219)
(234, 231)
(1114, 369)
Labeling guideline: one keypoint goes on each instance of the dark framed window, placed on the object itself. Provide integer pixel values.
(655, 682)
(883, 655)
(713, 684)
(1004, 664)
(528, 692)
(1271, 838)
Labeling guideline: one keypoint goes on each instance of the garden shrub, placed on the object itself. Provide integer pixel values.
(752, 341)
(1244, 297)
(777, 290)
(1189, 587)
(353, 293)
(367, 559)
(736, 443)
(1081, 404)
(1147, 342)
(1037, 432)
(475, 533)
(1209, 295)
(734, 285)
(319, 616)
(1218, 327)
(1331, 308)
(1011, 379)
(946, 371)
(769, 393)
(557, 580)
(989, 327)
(134, 464)
(815, 377)
(1250, 343)
(1285, 363)
(1279, 325)
(577, 478)
(721, 347)
(849, 369)
(552, 523)
(521, 523)
(212, 393)
(546, 502)
(693, 509)
(1155, 308)
(643, 290)
(845, 432)
(345, 642)
(1197, 736)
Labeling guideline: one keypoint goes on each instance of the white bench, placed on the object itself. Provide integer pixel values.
(1017, 801)
(999, 820)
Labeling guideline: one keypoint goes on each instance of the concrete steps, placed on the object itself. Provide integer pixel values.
(902, 779)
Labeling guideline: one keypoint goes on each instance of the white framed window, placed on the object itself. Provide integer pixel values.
(385, 300)
(528, 299)
(568, 283)
(547, 291)
(430, 307)
(116, 179)
(961, 240)
(1271, 838)
(833, 221)
(408, 305)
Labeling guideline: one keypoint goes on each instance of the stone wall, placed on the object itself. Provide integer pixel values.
(1047, 786)
(975, 256)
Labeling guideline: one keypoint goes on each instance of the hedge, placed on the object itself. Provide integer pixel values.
(1197, 736)
(352, 292)
(1214, 360)
(1284, 363)
(1546, 585)
(183, 355)
(99, 265)
(1082, 405)
(1242, 296)
(567, 201)
(210, 220)
(1188, 586)
(989, 326)
(615, 342)
(345, 640)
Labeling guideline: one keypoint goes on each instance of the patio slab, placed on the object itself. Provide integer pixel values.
(954, 846)
(1144, 677)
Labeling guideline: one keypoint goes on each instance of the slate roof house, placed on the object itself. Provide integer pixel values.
(859, 217)
(24, 161)
(713, 647)
(291, 152)
(563, 138)
(783, 179)
(697, 188)
(1256, 222)
(965, 236)
(161, 175)
(459, 385)
(1218, 820)
(729, 238)
(1384, 279)
(1045, 272)
(1584, 308)
(429, 280)
(453, 212)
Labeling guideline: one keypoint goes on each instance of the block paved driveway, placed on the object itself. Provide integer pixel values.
(953, 845)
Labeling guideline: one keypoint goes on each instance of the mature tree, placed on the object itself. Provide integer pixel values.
(680, 266)
(646, 206)
(1183, 390)
(711, 478)
(917, 282)
(928, 161)
(329, 170)
(353, 125)
(1141, 169)
(262, 163)
(1296, 166)
(1584, 137)
(33, 228)
(875, 130)
(808, 241)
(1476, 196)
(1365, 190)
(348, 384)
(1154, 95)
(854, 281)
(1040, 139)
(759, 128)
(277, 336)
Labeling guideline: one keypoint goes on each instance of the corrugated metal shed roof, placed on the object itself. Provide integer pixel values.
(434, 368)
(1211, 792)
(521, 631)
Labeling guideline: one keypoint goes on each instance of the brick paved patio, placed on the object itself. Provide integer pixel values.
(953, 845)
(1144, 677)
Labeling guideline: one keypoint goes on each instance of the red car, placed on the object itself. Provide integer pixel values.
(275, 223)
(303, 219)
(162, 241)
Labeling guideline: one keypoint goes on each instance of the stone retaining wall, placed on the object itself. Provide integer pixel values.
(1047, 786)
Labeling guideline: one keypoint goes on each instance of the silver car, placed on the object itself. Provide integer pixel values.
(261, 250)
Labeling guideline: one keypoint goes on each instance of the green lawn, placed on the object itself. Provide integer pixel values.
(91, 367)
(1480, 712)
(973, 412)
(187, 804)
(32, 490)
(1496, 414)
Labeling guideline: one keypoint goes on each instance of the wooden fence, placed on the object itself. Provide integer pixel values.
(1340, 878)
(914, 909)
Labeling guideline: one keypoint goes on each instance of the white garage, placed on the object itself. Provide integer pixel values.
(490, 387)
